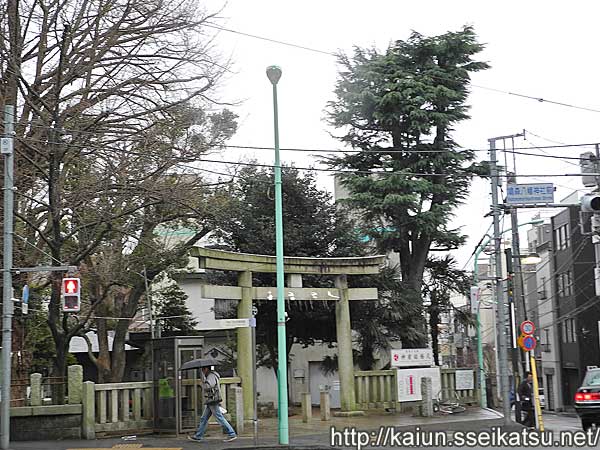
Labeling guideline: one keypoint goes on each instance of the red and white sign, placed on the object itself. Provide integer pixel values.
(527, 327)
(411, 357)
(409, 383)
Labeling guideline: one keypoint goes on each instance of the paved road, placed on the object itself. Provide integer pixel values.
(556, 423)
(561, 432)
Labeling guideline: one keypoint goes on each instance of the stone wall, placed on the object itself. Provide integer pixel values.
(36, 422)
(45, 423)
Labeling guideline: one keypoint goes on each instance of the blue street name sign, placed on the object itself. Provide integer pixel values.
(530, 193)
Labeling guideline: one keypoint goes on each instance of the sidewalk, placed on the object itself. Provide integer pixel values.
(314, 434)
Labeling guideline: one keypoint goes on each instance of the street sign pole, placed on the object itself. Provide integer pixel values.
(255, 408)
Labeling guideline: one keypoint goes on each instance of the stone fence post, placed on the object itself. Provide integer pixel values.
(35, 396)
(235, 406)
(427, 397)
(306, 407)
(325, 405)
(238, 393)
(88, 419)
(75, 383)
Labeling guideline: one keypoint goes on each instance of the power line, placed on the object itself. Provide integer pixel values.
(338, 150)
(544, 138)
(341, 171)
(539, 99)
(487, 88)
(274, 41)
(554, 156)
(366, 172)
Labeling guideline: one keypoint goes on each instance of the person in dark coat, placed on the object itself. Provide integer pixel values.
(526, 398)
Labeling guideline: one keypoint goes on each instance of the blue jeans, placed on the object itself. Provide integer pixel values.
(213, 409)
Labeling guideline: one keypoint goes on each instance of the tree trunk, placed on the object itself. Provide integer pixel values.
(119, 359)
(59, 372)
(103, 362)
(434, 321)
(366, 359)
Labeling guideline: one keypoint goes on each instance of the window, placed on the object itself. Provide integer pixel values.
(542, 289)
(568, 283)
(592, 378)
(569, 331)
(545, 340)
(562, 237)
(560, 285)
(564, 284)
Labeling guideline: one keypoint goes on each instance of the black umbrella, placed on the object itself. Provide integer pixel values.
(198, 363)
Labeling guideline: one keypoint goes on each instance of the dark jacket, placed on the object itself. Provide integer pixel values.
(526, 393)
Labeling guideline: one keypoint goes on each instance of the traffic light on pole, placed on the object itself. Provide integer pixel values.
(590, 203)
(71, 294)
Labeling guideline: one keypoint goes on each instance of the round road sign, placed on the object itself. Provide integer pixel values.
(527, 327)
(528, 343)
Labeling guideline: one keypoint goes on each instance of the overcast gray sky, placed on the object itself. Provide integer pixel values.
(543, 49)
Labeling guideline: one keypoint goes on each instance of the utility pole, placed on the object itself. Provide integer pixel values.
(6, 148)
(518, 307)
(596, 223)
(590, 203)
(501, 310)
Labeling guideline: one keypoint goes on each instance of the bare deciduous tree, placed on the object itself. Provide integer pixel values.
(115, 106)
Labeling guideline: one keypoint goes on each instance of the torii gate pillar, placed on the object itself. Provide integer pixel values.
(244, 343)
(344, 344)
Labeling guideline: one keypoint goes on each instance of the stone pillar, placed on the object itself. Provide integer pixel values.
(306, 407)
(35, 397)
(235, 405)
(325, 406)
(244, 343)
(344, 346)
(426, 397)
(75, 380)
(88, 419)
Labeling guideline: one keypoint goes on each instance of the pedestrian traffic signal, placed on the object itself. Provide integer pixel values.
(71, 294)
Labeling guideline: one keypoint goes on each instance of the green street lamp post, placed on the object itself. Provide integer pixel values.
(481, 369)
(274, 74)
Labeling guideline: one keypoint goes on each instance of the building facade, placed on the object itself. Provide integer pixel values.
(577, 315)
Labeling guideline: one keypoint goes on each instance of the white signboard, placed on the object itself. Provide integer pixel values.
(411, 357)
(463, 379)
(530, 193)
(234, 323)
(409, 383)
(474, 299)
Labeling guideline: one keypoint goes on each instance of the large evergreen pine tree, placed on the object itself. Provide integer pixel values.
(399, 109)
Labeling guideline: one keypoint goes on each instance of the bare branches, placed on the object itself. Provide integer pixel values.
(111, 97)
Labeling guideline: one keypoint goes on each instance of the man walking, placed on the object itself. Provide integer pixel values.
(526, 398)
(212, 398)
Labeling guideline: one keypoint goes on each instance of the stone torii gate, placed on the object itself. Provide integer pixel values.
(294, 267)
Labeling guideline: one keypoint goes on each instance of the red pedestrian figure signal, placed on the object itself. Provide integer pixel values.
(71, 294)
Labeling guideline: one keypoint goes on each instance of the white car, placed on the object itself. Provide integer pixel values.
(542, 398)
